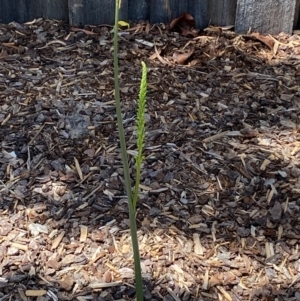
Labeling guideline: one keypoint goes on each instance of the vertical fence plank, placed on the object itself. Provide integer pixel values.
(160, 11)
(76, 16)
(138, 10)
(95, 12)
(51, 9)
(163, 11)
(14, 10)
(297, 15)
(55, 9)
(123, 11)
(222, 12)
(265, 16)
(198, 9)
(26, 10)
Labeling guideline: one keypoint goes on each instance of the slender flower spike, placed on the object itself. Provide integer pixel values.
(140, 124)
(141, 112)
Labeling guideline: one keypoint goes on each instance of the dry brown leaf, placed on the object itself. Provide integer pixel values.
(184, 24)
(107, 276)
(164, 62)
(181, 58)
(264, 39)
(67, 282)
(88, 32)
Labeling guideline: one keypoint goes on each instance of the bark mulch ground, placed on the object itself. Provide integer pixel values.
(219, 208)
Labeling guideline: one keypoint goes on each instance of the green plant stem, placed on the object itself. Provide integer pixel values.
(136, 186)
(133, 227)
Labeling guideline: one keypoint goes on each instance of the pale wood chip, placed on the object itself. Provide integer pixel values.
(215, 137)
(173, 294)
(35, 293)
(264, 165)
(83, 233)
(78, 169)
(224, 293)
(205, 284)
(19, 246)
(57, 240)
(198, 249)
(98, 285)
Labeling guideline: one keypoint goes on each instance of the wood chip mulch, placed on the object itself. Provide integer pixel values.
(219, 209)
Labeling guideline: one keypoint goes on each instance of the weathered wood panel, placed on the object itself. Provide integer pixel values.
(52, 9)
(222, 12)
(199, 10)
(164, 11)
(297, 15)
(265, 16)
(139, 10)
(14, 10)
(26, 10)
(95, 12)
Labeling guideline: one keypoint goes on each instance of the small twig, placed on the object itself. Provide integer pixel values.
(36, 134)
(92, 192)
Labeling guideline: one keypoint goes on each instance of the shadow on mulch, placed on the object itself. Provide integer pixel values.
(219, 204)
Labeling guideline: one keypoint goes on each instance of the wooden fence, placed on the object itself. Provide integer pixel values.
(264, 16)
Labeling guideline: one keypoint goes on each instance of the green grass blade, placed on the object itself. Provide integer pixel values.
(133, 227)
